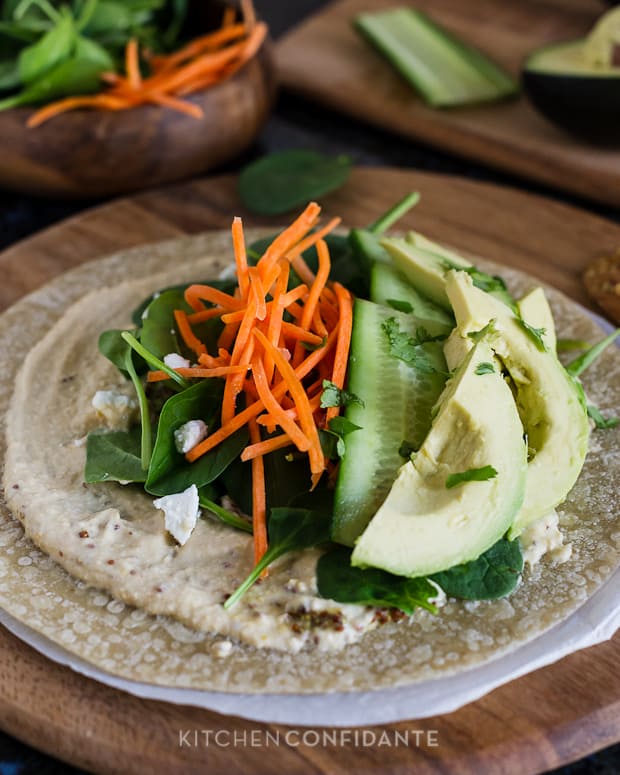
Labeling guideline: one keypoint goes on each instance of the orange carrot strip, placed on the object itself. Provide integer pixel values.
(210, 41)
(241, 419)
(259, 499)
(209, 362)
(181, 106)
(294, 295)
(230, 14)
(315, 292)
(227, 337)
(265, 447)
(298, 438)
(241, 259)
(132, 65)
(276, 317)
(188, 336)
(204, 314)
(257, 289)
(289, 237)
(343, 344)
(219, 371)
(248, 13)
(301, 334)
(298, 394)
(317, 322)
(234, 385)
(71, 103)
(194, 294)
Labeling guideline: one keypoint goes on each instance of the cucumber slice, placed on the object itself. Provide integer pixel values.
(388, 285)
(398, 400)
(443, 69)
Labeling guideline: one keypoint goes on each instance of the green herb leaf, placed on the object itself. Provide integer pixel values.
(169, 471)
(494, 574)
(535, 334)
(485, 368)
(225, 516)
(407, 348)
(290, 530)
(602, 423)
(394, 214)
(332, 438)
(282, 181)
(580, 364)
(152, 361)
(472, 475)
(146, 445)
(338, 580)
(488, 330)
(566, 345)
(114, 457)
(52, 48)
(332, 395)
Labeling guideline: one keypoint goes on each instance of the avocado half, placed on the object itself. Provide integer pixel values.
(573, 94)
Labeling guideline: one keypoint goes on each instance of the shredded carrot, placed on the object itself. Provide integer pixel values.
(218, 371)
(200, 64)
(241, 258)
(265, 447)
(313, 297)
(188, 336)
(204, 315)
(343, 344)
(289, 237)
(259, 499)
(196, 294)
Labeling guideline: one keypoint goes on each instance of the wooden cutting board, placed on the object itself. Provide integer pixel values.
(545, 719)
(324, 59)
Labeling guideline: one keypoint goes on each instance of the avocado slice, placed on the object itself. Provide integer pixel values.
(426, 263)
(576, 83)
(424, 526)
(535, 310)
(550, 402)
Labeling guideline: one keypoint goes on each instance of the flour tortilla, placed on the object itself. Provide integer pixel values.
(132, 644)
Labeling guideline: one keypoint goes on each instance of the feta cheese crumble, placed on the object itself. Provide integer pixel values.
(189, 434)
(181, 511)
(544, 537)
(117, 409)
(176, 361)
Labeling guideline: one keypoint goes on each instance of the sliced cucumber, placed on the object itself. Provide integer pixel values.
(398, 400)
(443, 69)
(388, 287)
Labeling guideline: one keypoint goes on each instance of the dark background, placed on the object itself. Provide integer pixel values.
(294, 124)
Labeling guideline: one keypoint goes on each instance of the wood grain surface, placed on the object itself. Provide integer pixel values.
(545, 719)
(324, 59)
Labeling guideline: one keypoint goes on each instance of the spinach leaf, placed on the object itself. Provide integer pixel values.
(282, 181)
(602, 423)
(158, 323)
(338, 580)
(290, 530)
(472, 475)
(52, 48)
(494, 574)
(332, 395)
(114, 457)
(580, 364)
(146, 445)
(169, 471)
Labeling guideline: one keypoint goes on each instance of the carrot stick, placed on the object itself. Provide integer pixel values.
(315, 292)
(241, 259)
(204, 314)
(210, 41)
(276, 317)
(265, 447)
(218, 371)
(71, 103)
(132, 65)
(259, 499)
(343, 344)
(258, 290)
(289, 237)
(188, 336)
(195, 294)
(301, 334)
(241, 419)
(248, 13)
(181, 106)
(230, 14)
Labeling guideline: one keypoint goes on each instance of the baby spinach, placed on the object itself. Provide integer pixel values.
(471, 475)
(146, 445)
(338, 580)
(169, 471)
(52, 48)
(290, 530)
(494, 574)
(282, 181)
(114, 457)
(158, 323)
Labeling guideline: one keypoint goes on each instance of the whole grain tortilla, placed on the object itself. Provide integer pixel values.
(130, 643)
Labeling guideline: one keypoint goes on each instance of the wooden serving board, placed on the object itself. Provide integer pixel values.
(542, 720)
(324, 59)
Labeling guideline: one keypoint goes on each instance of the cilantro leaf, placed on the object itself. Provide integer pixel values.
(602, 423)
(332, 395)
(400, 306)
(476, 336)
(471, 475)
(407, 348)
(535, 334)
(338, 580)
(332, 438)
(485, 368)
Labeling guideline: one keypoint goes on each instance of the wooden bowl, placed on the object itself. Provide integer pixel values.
(90, 153)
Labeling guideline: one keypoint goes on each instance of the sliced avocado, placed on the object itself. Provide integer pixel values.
(425, 526)
(535, 310)
(389, 288)
(549, 401)
(426, 263)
